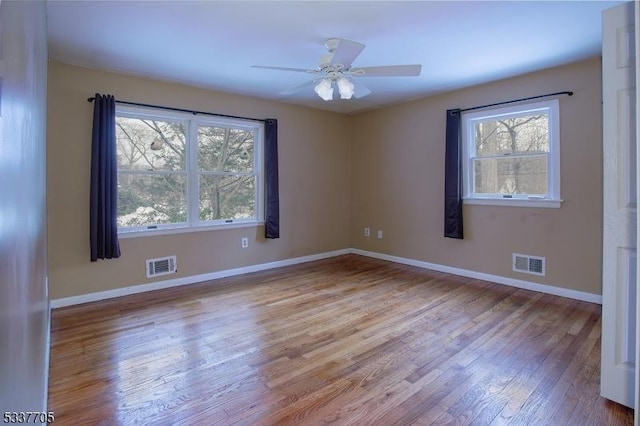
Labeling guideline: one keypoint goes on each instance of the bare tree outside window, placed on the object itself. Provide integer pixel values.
(154, 179)
(151, 172)
(512, 155)
(226, 170)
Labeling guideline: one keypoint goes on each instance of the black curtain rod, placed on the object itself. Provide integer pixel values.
(517, 100)
(182, 110)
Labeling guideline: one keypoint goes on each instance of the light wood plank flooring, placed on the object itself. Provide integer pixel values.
(347, 340)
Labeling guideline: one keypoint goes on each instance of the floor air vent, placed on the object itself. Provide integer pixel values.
(529, 264)
(161, 266)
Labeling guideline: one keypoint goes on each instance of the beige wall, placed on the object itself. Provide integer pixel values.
(315, 190)
(383, 169)
(398, 184)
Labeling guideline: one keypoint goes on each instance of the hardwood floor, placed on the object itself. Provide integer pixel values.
(347, 340)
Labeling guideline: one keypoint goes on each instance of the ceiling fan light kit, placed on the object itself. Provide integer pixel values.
(324, 89)
(335, 67)
(345, 87)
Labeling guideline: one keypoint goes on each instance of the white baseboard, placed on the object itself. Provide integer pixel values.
(542, 288)
(158, 285)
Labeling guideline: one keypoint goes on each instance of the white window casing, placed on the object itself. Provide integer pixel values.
(547, 197)
(192, 173)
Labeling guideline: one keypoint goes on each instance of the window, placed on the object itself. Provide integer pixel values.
(511, 156)
(177, 170)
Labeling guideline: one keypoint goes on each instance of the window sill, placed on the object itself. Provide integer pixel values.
(185, 229)
(514, 202)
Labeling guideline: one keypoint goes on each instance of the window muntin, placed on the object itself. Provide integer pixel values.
(512, 153)
(177, 171)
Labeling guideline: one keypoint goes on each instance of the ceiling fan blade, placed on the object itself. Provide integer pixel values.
(285, 69)
(346, 52)
(300, 88)
(388, 71)
(360, 90)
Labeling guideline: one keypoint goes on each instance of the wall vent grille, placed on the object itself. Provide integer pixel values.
(161, 266)
(529, 264)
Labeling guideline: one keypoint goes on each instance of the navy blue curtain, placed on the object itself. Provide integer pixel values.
(453, 177)
(272, 204)
(104, 181)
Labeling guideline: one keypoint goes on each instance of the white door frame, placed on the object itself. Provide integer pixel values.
(619, 263)
(636, 419)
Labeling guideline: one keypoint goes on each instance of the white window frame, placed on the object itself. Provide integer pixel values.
(552, 198)
(192, 173)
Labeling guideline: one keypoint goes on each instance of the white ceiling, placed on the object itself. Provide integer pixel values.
(212, 44)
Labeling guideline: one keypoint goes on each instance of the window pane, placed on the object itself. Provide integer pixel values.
(227, 197)
(511, 175)
(150, 144)
(151, 199)
(224, 149)
(526, 134)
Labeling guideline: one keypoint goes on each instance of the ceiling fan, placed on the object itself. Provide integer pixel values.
(335, 69)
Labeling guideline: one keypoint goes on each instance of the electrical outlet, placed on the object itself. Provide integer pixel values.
(367, 232)
(379, 235)
(244, 242)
